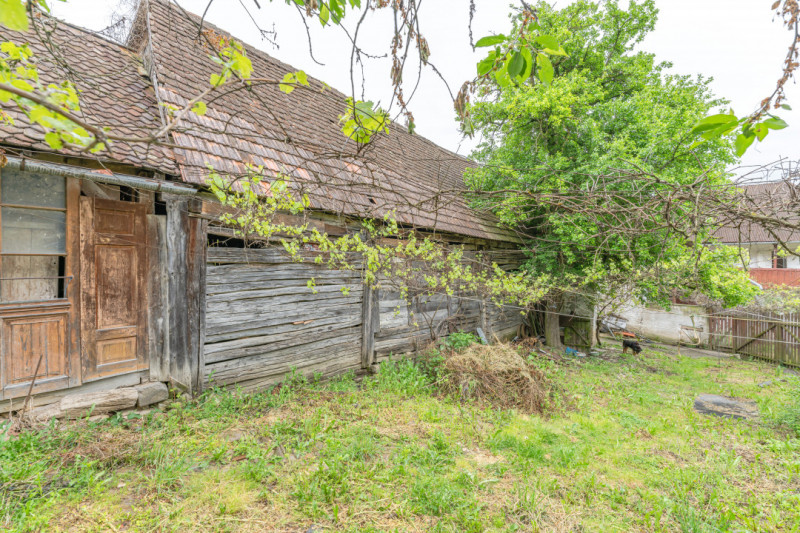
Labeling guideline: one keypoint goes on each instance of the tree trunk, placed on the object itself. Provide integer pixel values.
(552, 332)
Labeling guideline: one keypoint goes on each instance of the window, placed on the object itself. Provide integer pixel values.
(778, 260)
(33, 236)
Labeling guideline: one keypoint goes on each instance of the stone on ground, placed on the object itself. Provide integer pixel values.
(150, 393)
(712, 404)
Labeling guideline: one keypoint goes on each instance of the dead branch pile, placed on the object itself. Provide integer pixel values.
(497, 374)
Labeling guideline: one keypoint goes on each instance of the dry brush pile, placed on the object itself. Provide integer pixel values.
(499, 374)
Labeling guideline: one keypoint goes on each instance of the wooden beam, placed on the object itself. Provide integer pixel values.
(158, 297)
(186, 263)
(370, 324)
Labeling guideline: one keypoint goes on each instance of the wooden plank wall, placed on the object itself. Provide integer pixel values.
(262, 319)
(407, 328)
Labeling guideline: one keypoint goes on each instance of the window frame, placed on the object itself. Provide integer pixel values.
(63, 279)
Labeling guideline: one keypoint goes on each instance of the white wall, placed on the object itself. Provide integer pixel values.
(761, 256)
(668, 326)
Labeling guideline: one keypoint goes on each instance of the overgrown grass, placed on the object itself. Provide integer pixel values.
(627, 453)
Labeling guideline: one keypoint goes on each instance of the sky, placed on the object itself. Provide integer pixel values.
(736, 42)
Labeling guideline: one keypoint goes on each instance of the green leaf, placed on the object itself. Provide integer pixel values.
(22, 84)
(217, 80)
(761, 131)
(199, 108)
(53, 140)
(547, 41)
(743, 142)
(13, 15)
(775, 123)
(516, 65)
(302, 78)
(528, 56)
(545, 72)
(288, 83)
(502, 78)
(713, 122)
(490, 40)
(550, 45)
(719, 130)
(486, 65)
(786, 107)
(324, 14)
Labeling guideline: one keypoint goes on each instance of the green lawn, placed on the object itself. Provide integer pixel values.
(624, 452)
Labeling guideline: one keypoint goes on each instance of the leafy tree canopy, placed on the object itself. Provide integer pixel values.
(586, 162)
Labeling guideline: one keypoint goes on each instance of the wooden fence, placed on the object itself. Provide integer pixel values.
(775, 338)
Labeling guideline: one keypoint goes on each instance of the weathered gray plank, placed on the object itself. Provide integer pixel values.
(158, 301)
(264, 255)
(186, 262)
(327, 369)
(269, 306)
(279, 361)
(236, 327)
(281, 290)
(264, 344)
(370, 322)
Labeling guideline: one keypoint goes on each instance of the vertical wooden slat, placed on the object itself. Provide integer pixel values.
(196, 285)
(186, 263)
(370, 324)
(180, 373)
(73, 281)
(158, 292)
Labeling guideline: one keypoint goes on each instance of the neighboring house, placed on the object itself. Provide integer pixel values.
(767, 263)
(115, 270)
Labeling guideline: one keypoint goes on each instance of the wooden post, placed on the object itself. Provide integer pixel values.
(186, 263)
(370, 324)
(158, 291)
(484, 319)
(198, 250)
(552, 328)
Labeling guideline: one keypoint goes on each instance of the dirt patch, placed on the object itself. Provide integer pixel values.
(483, 458)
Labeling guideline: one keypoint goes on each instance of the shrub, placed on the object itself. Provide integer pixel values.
(401, 376)
(460, 340)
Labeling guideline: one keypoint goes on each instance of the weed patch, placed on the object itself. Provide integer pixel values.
(393, 453)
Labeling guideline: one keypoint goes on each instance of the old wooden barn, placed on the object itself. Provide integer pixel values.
(116, 273)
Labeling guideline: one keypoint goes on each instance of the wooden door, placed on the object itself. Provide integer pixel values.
(39, 298)
(113, 290)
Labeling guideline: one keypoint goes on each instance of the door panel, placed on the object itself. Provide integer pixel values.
(116, 297)
(113, 295)
(31, 341)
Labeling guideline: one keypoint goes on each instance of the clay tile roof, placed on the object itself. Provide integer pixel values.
(299, 134)
(112, 92)
(775, 193)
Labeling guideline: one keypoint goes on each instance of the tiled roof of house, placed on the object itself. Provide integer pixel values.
(112, 91)
(299, 134)
(773, 193)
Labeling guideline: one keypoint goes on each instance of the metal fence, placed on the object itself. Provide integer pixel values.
(766, 336)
